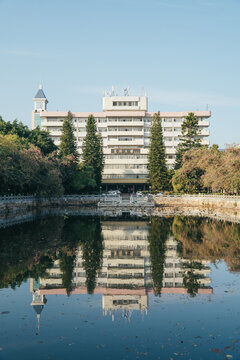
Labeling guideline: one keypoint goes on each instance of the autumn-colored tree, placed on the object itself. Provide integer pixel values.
(209, 170)
(207, 239)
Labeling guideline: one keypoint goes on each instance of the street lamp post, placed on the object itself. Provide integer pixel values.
(100, 191)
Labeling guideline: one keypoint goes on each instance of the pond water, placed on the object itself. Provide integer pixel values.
(120, 288)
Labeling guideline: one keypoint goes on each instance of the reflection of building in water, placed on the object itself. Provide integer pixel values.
(126, 265)
(38, 299)
(175, 267)
(125, 277)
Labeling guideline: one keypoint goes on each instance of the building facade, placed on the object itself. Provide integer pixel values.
(124, 125)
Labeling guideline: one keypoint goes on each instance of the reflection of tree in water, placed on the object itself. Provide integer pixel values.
(85, 233)
(158, 233)
(92, 252)
(208, 239)
(66, 262)
(27, 250)
(40, 269)
(188, 227)
(191, 277)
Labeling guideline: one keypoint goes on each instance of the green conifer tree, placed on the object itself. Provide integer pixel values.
(158, 173)
(159, 231)
(67, 262)
(92, 253)
(68, 142)
(189, 138)
(92, 153)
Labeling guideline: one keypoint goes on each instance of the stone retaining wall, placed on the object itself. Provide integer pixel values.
(212, 204)
(12, 207)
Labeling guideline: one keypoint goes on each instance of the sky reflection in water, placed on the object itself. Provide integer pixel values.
(137, 289)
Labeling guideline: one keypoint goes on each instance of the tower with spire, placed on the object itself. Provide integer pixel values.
(40, 104)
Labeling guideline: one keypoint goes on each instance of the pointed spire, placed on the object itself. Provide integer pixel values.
(40, 94)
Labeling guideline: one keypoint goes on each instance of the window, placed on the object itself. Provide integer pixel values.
(126, 176)
(125, 166)
(125, 151)
(126, 156)
(125, 138)
(125, 103)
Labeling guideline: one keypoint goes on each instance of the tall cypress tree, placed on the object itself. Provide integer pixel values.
(67, 262)
(92, 253)
(158, 174)
(92, 151)
(158, 234)
(68, 142)
(188, 139)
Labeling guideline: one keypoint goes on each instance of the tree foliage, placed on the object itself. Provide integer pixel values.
(209, 170)
(158, 173)
(92, 252)
(68, 142)
(76, 177)
(28, 250)
(27, 170)
(66, 262)
(189, 138)
(209, 240)
(158, 234)
(192, 276)
(92, 150)
(37, 137)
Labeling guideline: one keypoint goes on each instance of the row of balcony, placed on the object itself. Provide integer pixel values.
(118, 123)
(141, 133)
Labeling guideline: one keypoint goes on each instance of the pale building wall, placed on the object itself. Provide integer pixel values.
(126, 139)
(124, 125)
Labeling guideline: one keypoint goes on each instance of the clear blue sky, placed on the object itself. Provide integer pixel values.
(185, 53)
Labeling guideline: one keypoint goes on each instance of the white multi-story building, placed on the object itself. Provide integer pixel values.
(124, 125)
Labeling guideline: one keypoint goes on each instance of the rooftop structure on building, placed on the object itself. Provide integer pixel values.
(124, 124)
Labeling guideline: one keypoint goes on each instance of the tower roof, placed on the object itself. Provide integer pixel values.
(38, 308)
(40, 94)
